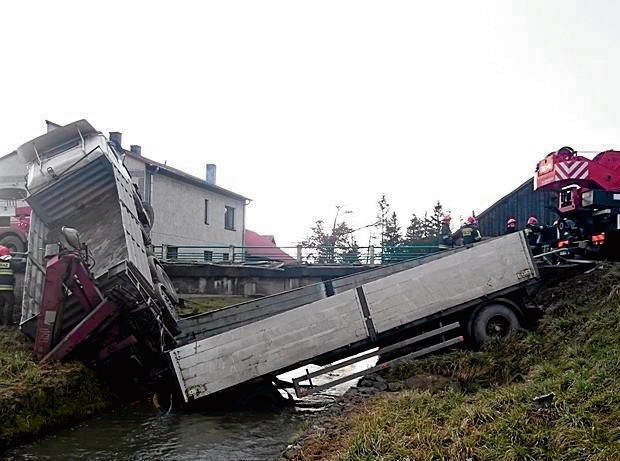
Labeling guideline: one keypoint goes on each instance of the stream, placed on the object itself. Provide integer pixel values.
(140, 432)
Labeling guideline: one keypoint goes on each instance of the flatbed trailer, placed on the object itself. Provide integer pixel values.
(479, 287)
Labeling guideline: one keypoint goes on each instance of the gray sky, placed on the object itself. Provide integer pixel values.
(305, 105)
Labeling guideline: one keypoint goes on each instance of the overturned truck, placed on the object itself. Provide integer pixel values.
(93, 288)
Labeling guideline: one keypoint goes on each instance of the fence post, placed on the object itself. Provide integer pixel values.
(164, 252)
(231, 252)
(299, 254)
(371, 254)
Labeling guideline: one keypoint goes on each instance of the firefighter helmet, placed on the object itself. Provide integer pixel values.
(472, 221)
(512, 222)
(532, 221)
(4, 251)
(446, 218)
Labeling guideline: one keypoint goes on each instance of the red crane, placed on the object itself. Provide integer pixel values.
(589, 195)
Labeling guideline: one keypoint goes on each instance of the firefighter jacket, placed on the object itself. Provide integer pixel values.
(445, 234)
(470, 234)
(532, 233)
(7, 277)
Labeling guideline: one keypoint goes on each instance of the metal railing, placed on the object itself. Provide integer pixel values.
(299, 254)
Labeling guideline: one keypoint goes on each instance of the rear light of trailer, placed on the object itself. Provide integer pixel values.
(563, 243)
(598, 239)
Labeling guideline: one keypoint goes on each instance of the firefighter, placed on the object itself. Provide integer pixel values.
(532, 231)
(469, 232)
(445, 233)
(7, 287)
(511, 226)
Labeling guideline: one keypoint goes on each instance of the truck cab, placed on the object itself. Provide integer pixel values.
(14, 219)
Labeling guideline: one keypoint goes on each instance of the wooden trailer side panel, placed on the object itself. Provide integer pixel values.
(438, 285)
(262, 347)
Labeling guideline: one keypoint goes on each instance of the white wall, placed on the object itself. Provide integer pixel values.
(179, 215)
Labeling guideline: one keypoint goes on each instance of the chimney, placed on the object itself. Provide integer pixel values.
(211, 174)
(116, 137)
(135, 149)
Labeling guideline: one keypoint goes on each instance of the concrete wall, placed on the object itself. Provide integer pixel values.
(240, 286)
(250, 281)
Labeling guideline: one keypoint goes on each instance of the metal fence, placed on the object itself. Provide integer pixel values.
(299, 254)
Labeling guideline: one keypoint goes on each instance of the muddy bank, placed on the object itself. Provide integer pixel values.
(36, 398)
(547, 394)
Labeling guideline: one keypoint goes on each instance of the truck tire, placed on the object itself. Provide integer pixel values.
(13, 242)
(494, 321)
(159, 275)
(168, 311)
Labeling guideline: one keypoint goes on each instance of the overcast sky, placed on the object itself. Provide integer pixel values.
(304, 106)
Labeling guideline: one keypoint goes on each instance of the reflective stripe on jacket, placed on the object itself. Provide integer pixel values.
(7, 278)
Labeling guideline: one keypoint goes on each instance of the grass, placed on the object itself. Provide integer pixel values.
(488, 413)
(35, 398)
(198, 305)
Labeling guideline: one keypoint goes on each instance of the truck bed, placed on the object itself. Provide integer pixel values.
(352, 314)
(211, 323)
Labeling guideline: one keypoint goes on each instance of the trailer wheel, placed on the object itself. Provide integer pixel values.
(14, 243)
(169, 312)
(159, 275)
(495, 321)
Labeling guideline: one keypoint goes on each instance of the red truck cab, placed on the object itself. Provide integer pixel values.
(14, 219)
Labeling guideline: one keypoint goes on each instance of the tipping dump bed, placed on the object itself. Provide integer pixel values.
(95, 197)
(360, 313)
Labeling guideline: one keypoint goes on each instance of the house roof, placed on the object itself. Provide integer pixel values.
(528, 183)
(166, 170)
(264, 246)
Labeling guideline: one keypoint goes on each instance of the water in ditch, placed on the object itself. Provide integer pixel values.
(142, 433)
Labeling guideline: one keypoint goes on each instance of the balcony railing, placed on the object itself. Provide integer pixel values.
(299, 254)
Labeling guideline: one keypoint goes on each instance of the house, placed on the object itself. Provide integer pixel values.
(189, 211)
(263, 248)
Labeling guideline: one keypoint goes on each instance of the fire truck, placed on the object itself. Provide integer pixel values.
(14, 219)
(588, 198)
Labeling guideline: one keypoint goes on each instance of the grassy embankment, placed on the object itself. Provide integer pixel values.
(35, 398)
(199, 304)
(487, 411)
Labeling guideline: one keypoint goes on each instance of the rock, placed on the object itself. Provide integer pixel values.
(379, 378)
(290, 452)
(432, 383)
(366, 382)
(381, 385)
(395, 386)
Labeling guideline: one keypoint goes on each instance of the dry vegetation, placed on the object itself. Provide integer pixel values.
(35, 398)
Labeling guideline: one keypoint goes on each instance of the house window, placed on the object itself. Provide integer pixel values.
(206, 211)
(208, 255)
(225, 257)
(229, 218)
